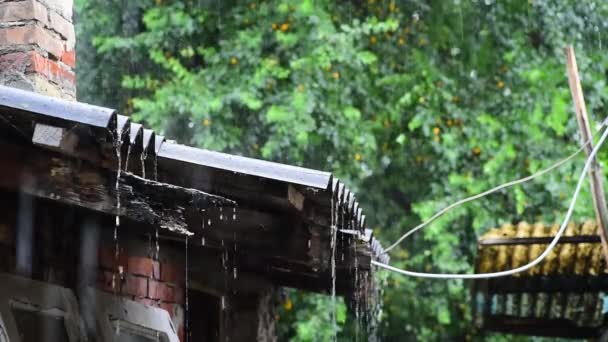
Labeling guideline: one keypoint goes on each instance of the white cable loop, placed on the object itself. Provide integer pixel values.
(483, 194)
(523, 268)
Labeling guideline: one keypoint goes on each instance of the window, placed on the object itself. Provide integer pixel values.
(32, 311)
(35, 325)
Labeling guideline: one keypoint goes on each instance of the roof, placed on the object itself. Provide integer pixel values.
(561, 297)
(284, 212)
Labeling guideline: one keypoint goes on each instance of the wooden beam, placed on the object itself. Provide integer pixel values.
(539, 240)
(595, 174)
(50, 175)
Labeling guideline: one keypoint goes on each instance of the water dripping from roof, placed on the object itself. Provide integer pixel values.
(186, 289)
(155, 167)
(127, 159)
(234, 270)
(117, 146)
(333, 267)
(157, 244)
(356, 287)
(202, 227)
(142, 160)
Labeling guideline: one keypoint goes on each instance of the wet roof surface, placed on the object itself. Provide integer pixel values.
(316, 195)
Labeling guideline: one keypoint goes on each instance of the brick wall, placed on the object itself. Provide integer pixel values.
(73, 250)
(37, 43)
(145, 280)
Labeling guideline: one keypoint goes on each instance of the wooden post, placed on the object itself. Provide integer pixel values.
(595, 172)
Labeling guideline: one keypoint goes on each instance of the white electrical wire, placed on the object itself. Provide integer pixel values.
(523, 268)
(482, 194)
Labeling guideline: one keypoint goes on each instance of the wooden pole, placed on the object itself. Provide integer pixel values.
(595, 172)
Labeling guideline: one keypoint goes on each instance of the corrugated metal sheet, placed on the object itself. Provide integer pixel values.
(583, 257)
(561, 297)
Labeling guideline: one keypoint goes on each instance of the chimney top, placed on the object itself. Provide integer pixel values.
(37, 43)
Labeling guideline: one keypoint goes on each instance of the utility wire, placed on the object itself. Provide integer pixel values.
(485, 193)
(523, 268)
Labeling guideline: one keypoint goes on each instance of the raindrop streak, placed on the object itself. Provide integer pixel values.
(155, 168)
(234, 271)
(186, 289)
(142, 159)
(333, 267)
(202, 227)
(357, 287)
(118, 145)
(127, 159)
(157, 245)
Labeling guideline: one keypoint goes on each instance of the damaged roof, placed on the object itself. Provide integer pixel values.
(287, 210)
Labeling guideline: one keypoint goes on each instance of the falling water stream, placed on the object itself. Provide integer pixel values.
(142, 160)
(333, 267)
(187, 334)
(203, 227)
(118, 145)
(127, 159)
(234, 270)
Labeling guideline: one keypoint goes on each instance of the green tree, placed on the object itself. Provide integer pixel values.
(414, 103)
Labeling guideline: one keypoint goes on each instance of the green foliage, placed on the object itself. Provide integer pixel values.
(414, 103)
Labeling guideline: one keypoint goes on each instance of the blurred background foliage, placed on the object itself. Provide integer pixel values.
(413, 103)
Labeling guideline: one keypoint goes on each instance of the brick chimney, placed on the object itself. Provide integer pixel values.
(37, 46)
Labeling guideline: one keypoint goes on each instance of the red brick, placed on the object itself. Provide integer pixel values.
(33, 62)
(17, 61)
(69, 58)
(143, 266)
(62, 26)
(23, 10)
(136, 286)
(160, 290)
(172, 274)
(32, 34)
(55, 72)
(107, 259)
(165, 292)
(104, 281)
